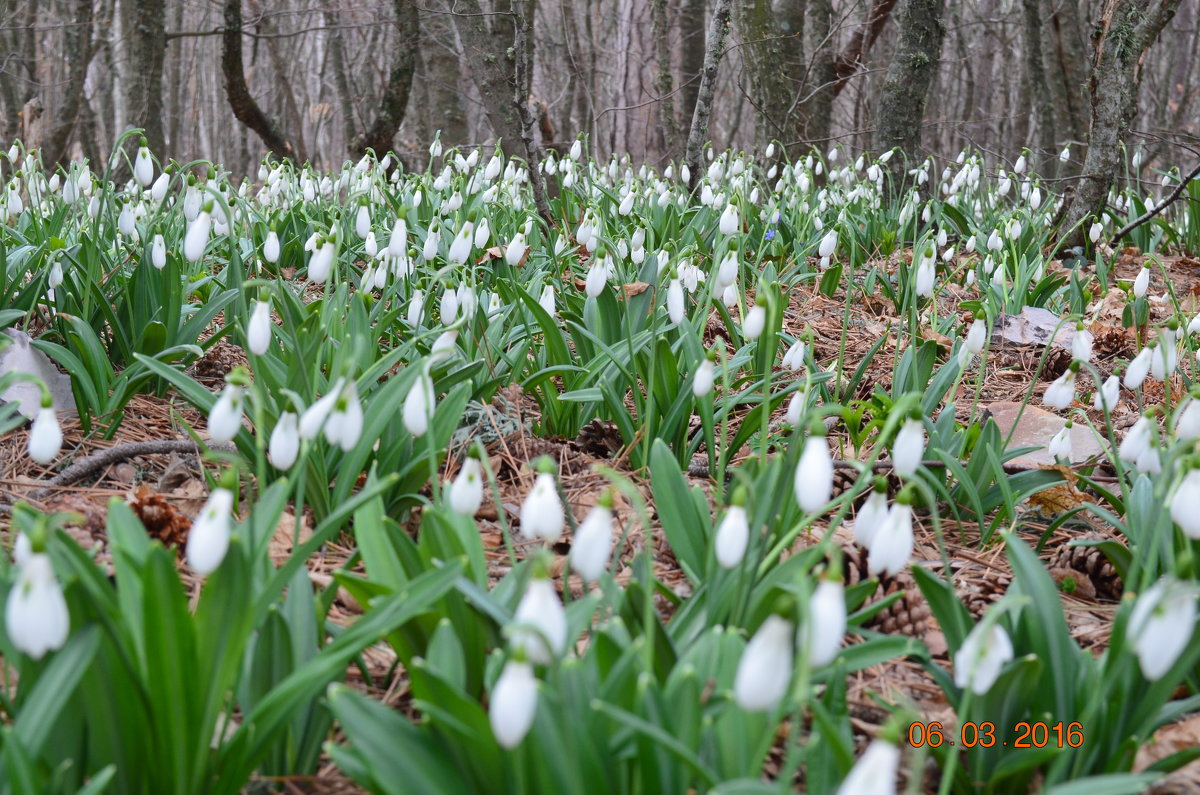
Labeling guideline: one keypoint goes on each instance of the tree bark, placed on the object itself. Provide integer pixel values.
(77, 38)
(905, 90)
(851, 58)
(395, 97)
(491, 52)
(1036, 84)
(708, 80)
(523, 49)
(664, 79)
(245, 109)
(1126, 31)
(692, 48)
(439, 53)
(762, 54)
(819, 87)
(1066, 75)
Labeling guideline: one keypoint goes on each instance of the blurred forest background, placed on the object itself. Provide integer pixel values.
(322, 81)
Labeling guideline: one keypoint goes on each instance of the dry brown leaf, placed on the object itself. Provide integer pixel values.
(634, 288)
(1060, 498)
(491, 253)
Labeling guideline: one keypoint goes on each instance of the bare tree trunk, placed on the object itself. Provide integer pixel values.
(762, 53)
(1127, 30)
(692, 49)
(439, 53)
(818, 89)
(77, 38)
(341, 81)
(395, 97)
(491, 52)
(523, 49)
(245, 109)
(704, 97)
(851, 58)
(906, 87)
(664, 80)
(1038, 89)
(1066, 74)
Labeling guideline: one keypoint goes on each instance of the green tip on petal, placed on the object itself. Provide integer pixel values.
(544, 465)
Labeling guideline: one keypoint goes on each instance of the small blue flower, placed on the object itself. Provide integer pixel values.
(770, 234)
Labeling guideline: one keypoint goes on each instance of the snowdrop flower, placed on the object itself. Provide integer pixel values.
(1137, 440)
(45, 435)
(271, 247)
(1060, 443)
(926, 276)
(158, 252)
(143, 166)
(1141, 283)
(542, 513)
(828, 244)
(995, 242)
(729, 296)
(875, 771)
(344, 426)
(546, 300)
(416, 308)
(1185, 504)
(320, 264)
(825, 624)
(158, 191)
(225, 418)
(675, 302)
(702, 381)
(766, 666)
(1187, 425)
(727, 271)
(872, 514)
(1149, 463)
(1081, 345)
(418, 405)
(540, 623)
(513, 704)
(755, 322)
(729, 223)
(460, 248)
(794, 358)
(208, 540)
(35, 615)
(465, 493)
(515, 251)
(733, 535)
(909, 447)
(284, 445)
(196, 238)
(1161, 626)
(314, 417)
(1094, 231)
(892, 546)
(258, 330)
(592, 544)
(981, 657)
(1061, 392)
(597, 277)
(813, 481)
(1138, 369)
(1166, 355)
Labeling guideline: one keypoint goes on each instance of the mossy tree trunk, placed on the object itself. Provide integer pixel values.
(762, 54)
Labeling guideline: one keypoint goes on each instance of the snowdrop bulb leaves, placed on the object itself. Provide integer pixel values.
(542, 513)
(875, 771)
(45, 436)
(36, 616)
(813, 481)
(225, 419)
(513, 704)
(732, 537)
(465, 494)
(271, 247)
(196, 238)
(870, 518)
(908, 448)
(1185, 504)
(208, 540)
(765, 668)
(540, 623)
(1138, 369)
(702, 381)
(892, 546)
(258, 330)
(158, 252)
(592, 544)
(284, 445)
(418, 405)
(825, 624)
(1161, 626)
(755, 322)
(981, 657)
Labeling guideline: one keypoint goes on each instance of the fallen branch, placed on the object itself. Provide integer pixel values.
(1158, 208)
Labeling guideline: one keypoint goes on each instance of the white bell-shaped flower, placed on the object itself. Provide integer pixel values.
(1061, 392)
(320, 264)
(892, 547)
(143, 166)
(592, 545)
(875, 771)
(981, 657)
(542, 513)
(196, 238)
(909, 447)
(1187, 423)
(794, 358)
(419, 405)
(1108, 394)
(675, 302)
(1185, 504)
(813, 480)
(765, 668)
(540, 623)
(345, 423)
(258, 330)
(513, 704)
(1060, 444)
(45, 436)
(1137, 440)
(225, 418)
(824, 624)
(732, 537)
(465, 493)
(158, 252)
(313, 419)
(284, 445)
(702, 381)
(208, 540)
(1141, 282)
(1161, 625)
(870, 517)
(36, 616)
(271, 247)
(755, 322)
(729, 223)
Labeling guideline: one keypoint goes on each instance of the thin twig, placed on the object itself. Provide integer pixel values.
(1158, 208)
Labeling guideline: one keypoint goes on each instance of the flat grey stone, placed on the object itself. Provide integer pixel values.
(21, 357)
(1035, 428)
(1035, 326)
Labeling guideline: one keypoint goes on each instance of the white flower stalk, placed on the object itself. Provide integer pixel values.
(35, 615)
(542, 513)
(313, 419)
(870, 517)
(1161, 626)
(258, 330)
(1138, 369)
(755, 322)
(828, 244)
(732, 537)
(270, 249)
(208, 540)
(825, 624)
(1061, 392)
(225, 419)
(345, 423)
(981, 658)
(592, 545)
(794, 358)
(875, 771)
(813, 481)
(513, 704)
(465, 493)
(284, 445)
(729, 223)
(1060, 444)
(1141, 283)
(540, 623)
(196, 238)
(909, 447)
(1185, 504)
(419, 405)
(766, 666)
(158, 252)
(702, 381)
(45, 436)
(143, 166)
(892, 546)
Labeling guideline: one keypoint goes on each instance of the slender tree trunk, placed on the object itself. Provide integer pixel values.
(708, 80)
(395, 97)
(762, 53)
(341, 81)
(523, 49)
(144, 26)
(1036, 86)
(439, 54)
(664, 79)
(902, 98)
(692, 49)
(1066, 68)
(1126, 31)
(491, 52)
(851, 58)
(77, 38)
(790, 16)
(245, 109)
(818, 89)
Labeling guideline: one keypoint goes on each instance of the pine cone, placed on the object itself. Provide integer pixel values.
(1092, 564)
(599, 438)
(909, 615)
(980, 588)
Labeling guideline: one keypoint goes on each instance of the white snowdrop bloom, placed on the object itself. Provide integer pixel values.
(995, 242)
(465, 493)
(926, 276)
(419, 405)
(125, 221)
(908, 448)
(1141, 282)
(444, 346)
(795, 409)
(1185, 504)
(976, 336)
(1161, 625)
(813, 480)
(196, 238)
(514, 252)
(824, 624)
(449, 306)
(592, 544)
(1094, 231)
(1081, 346)
(45, 436)
(981, 657)
(416, 308)
(1060, 444)
(597, 278)
(1149, 462)
(313, 418)
(158, 252)
(730, 296)
(370, 245)
(460, 248)
(755, 322)
(271, 247)
(1035, 198)
(208, 540)
(344, 426)
(225, 418)
(576, 150)
(732, 537)
(727, 271)
(891, 549)
(1061, 392)
(1065, 154)
(542, 513)
(35, 615)
(729, 223)
(320, 264)
(765, 668)
(513, 704)
(258, 330)
(483, 233)
(540, 623)
(702, 381)
(1166, 356)
(794, 358)
(284, 445)
(1137, 440)
(828, 244)
(546, 300)
(1019, 166)
(875, 771)
(675, 305)
(1194, 325)
(1138, 369)
(1187, 425)
(143, 166)
(158, 191)
(870, 517)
